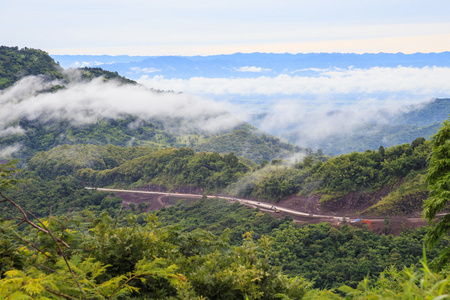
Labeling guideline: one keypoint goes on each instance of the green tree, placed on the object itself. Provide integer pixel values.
(438, 179)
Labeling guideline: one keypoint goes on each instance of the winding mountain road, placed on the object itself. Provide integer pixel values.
(398, 223)
(263, 205)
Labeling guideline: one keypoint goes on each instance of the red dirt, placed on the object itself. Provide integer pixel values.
(305, 204)
(136, 198)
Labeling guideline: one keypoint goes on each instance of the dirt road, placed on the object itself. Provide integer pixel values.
(262, 205)
(397, 224)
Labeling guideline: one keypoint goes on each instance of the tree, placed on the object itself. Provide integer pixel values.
(142, 206)
(438, 179)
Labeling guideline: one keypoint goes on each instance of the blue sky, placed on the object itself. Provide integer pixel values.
(199, 27)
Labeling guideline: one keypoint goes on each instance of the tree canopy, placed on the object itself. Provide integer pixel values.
(439, 184)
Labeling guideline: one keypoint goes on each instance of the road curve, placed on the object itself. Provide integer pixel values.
(263, 205)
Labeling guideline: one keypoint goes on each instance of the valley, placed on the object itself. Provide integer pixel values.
(186, 200)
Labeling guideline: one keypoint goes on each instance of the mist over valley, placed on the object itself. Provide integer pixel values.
(311, 100)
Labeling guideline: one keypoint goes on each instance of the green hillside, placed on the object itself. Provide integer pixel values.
(45, 135)
(91, 73)
(428, 113)
(400, 169)
(204, 249)
(171, 168)
(17, 63)
(250, 144)
(420, 120)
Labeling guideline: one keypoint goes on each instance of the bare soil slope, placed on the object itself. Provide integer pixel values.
(308, 204)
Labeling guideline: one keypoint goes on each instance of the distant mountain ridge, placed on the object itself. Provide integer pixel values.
(420, 120)
(247, 65)
(424, 114)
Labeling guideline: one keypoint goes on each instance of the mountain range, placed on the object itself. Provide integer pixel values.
(248, 65)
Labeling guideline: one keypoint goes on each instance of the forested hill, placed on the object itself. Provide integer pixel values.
(388, 181)
(419, 120)
(425, 114)
(257, 146)
(17, 63)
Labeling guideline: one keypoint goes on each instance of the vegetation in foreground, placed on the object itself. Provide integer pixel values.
(95, 256)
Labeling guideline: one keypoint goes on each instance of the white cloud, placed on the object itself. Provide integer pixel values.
(11, 131)
(85, 103)
(85, 64)
(310, 69)
(251, 69)
(427, 81)
(5, 152)
(333, 101)
(138, 70)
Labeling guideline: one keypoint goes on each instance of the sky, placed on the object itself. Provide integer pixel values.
(200, 27)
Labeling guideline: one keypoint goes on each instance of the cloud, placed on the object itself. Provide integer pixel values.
(11, 131)
(310, 69)
(27, 87)
(87, 102)
(251, 69)
(329, 102)
(427, 81)
(138, 70)
(316, 123)
(8, 150)
(83, 64)
(332, 102)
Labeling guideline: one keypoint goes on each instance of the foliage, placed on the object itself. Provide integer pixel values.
(8, 172)
(106, 260)
(140, 166)
(111, 258)
(248, 143)
(406, 199)
(408, 283)
(68, 160)
(336, 177)
(43, 136)
(58, 196)
(331, 257)
(91, 73)
(177, 168)
(17, 63)
(356, 171)
(276, 181)
(218, 215)
(326, 255)
(439, 183)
